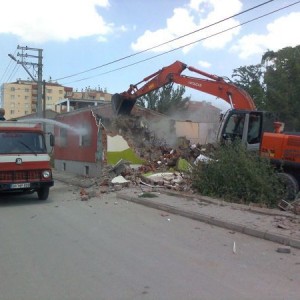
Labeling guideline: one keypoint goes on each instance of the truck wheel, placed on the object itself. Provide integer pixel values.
(291, 186)
(43, 193)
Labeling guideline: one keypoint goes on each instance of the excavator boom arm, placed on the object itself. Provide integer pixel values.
(217, 86)
(232, 94)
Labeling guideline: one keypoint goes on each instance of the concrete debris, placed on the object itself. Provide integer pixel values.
(293, 206)
(84, 195)
(120, 167)
(84, 198)
(119, 180)
(234, 248)
(202, 158)
(287, 223)
(117, 187)
(296, 207)
(104, 189)
(175, 181)
(284, 249)
(164, 215)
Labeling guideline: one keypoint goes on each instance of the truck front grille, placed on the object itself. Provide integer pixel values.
(19, 176)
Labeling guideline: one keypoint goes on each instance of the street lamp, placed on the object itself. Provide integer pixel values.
(12, 57)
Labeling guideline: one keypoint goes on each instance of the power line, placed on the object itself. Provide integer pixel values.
(164, 43)
(5, 71)
(14, 72)
(185, 45)
(10, 68)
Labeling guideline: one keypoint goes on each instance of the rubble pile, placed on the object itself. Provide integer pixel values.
(159, 157)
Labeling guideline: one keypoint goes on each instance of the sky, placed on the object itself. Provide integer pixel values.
(110, 44)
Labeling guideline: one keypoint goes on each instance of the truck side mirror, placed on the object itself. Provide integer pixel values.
(52, 140)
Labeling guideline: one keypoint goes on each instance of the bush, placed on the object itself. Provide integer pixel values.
(238, 175)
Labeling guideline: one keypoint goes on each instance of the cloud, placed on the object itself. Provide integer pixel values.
(280, 33)
(204, 64)
(57, 20)
(192, 17)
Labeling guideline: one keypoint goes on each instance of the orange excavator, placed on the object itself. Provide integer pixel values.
(258, 130)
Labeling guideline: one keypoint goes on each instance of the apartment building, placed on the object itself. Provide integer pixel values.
(20, 98)
(85, 98)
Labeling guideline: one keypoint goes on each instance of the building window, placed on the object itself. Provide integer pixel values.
(86, 170)
(12, 97)
(63, 137)
(61, 92)
(12, 112)
(49, 91)
(12, 89)
(49, 98)
(26, 97)
(85, 139)
(26, 90)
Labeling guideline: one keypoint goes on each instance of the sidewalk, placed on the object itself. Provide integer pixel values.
(270, 224)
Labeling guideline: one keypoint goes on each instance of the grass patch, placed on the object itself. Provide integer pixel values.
(147, 195)
(128, 154)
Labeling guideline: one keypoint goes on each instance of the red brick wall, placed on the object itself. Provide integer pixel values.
(73, 151)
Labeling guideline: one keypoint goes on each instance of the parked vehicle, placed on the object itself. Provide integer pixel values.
(24, 160)
(258, 130)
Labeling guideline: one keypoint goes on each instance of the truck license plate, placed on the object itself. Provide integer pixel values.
(20, 185)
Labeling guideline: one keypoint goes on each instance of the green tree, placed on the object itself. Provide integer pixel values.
(282, 77)
(165, 100)
(250, 79)
(274, 84)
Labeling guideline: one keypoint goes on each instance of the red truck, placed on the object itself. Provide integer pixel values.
(24, 160)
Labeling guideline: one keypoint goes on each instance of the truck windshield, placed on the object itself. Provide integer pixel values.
(22, 143)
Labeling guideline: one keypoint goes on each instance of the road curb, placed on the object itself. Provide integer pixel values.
(266, 235)
(219, 202)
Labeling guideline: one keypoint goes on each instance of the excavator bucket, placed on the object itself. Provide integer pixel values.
(122, 105)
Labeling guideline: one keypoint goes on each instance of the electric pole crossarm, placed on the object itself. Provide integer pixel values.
(39, 66)
(28, 72)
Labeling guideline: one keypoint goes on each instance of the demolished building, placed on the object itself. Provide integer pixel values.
(90, 139)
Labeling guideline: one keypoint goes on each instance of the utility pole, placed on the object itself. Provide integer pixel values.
(37, 70)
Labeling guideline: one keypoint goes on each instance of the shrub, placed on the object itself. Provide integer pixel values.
(238, 175)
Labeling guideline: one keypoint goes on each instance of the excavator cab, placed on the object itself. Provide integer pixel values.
(247, 126)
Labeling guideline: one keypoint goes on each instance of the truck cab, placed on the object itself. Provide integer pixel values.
(24, 160)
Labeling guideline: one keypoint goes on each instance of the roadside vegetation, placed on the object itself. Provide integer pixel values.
(273, 84)
(239, 176)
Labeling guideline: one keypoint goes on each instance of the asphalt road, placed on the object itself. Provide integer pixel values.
(107, 248)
